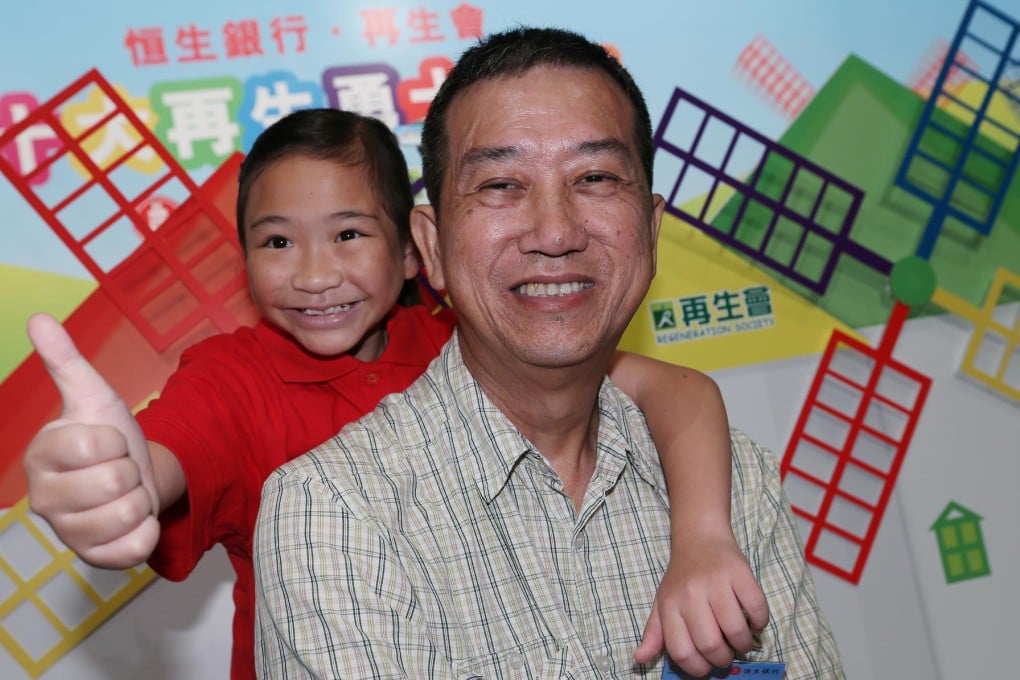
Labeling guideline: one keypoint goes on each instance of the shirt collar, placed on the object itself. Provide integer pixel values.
(618, 438)
(495, 444)
(498, 446)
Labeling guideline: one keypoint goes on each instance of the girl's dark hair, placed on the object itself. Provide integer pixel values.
(345, 138)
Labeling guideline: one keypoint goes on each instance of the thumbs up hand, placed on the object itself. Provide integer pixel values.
(89, 472)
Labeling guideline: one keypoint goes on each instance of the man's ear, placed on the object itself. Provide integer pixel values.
(412, 262)
(658, 209)
(425, 232)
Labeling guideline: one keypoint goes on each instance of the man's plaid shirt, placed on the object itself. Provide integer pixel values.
(431, 540)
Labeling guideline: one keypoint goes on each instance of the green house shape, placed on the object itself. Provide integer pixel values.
(961, 544)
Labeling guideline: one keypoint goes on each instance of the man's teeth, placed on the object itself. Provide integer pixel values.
(328, 310)
(551, 289)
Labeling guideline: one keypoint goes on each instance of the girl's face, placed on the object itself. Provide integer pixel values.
(324, 261)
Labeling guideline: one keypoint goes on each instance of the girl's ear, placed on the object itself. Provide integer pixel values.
(426, 237)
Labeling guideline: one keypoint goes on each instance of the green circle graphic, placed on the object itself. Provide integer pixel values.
(913, 281)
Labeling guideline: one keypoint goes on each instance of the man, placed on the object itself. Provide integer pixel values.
(507, 516)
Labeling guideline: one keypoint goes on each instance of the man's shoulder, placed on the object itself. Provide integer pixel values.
(748, 451)
(380, 448)
(373, 440)
(757, 484)
(751, 459)
(745, 445)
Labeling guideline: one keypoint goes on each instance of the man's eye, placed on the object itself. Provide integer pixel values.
(595, 178)
(499, 185)
(277, 242)
(348, 235)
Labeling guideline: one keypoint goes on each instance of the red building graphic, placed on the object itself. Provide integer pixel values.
(182, 282)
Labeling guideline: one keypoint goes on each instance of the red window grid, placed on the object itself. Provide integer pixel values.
(848, 446)
(186, 273)
(922, 80)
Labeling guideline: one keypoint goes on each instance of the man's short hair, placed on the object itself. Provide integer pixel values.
(514, 53)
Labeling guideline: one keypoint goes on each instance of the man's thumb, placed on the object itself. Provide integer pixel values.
(87, 396)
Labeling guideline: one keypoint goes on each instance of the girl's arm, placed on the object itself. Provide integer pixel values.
(709, 603)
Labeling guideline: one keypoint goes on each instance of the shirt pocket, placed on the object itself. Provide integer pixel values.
(537, 662)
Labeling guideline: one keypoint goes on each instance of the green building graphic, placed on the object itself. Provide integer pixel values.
(961, 544)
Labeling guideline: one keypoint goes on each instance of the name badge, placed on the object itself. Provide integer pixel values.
(740, 669)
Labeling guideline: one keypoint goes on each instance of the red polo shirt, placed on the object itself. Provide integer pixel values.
(242, 404)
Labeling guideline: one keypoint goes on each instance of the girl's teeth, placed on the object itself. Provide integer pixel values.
(550, 289)
(328, 310)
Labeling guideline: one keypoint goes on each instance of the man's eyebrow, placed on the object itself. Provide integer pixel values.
(601, 147)
(596, 147)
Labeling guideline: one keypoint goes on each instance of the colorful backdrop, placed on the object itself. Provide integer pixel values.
(841, 252)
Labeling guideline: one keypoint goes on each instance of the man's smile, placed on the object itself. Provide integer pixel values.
(551, 289)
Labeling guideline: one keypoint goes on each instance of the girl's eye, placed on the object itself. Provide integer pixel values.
(348, 235)
(277, 242)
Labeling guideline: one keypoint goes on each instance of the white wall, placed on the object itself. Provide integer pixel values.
(903, 620)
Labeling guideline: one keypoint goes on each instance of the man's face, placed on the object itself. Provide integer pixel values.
(546, 225)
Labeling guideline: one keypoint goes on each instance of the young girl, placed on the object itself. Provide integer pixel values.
(322, 214)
